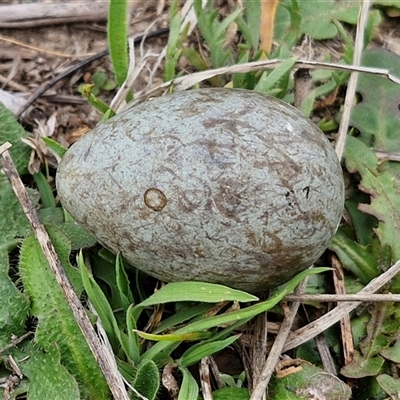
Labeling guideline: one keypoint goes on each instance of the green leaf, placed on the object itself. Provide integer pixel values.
(231, 393)
(48, 378)
(100, 304)
(361, 367)
(383, 187)
(123, 284)
(196, 291)
(189, 388)
(117, 34)
(317, 17)
(354, 257)
(308, 382)
(173, 337)
(56, 321)
(14, 311)
(270, 79)
(201, 350)
(390, 385)
(378, 121)
(147, 380)
(11, 131)
(235, 317)
(46, 193)
(56, 148)
(79, 237)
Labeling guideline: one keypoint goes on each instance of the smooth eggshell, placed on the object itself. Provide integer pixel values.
(217, 185)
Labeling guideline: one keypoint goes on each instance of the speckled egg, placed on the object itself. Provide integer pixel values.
(217, 185)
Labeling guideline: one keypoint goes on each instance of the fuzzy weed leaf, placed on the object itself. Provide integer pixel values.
(48, 378)
(15, 310)
(11, 131)
(56, 322)
(146, 380)
(231, 393)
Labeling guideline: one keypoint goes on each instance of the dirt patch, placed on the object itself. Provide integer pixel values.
(33, 56)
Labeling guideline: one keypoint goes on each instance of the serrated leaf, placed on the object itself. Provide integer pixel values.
(384, 188)
(56, 322)
(11, 131)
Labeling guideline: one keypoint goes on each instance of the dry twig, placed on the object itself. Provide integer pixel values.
(314, 328)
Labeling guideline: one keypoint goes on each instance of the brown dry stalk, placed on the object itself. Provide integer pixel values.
(267, 23)
(105, 360)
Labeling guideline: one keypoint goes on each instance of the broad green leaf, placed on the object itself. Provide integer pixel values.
(317, 17)
(382, 328)
(392, 353)
(147, 380)
(361, 367)
(189, 388)
(201, 350)
(13, 222)
(56, 321)
(196, 291)
(390, 385)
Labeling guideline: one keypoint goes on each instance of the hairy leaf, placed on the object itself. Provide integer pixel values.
(56, 322)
